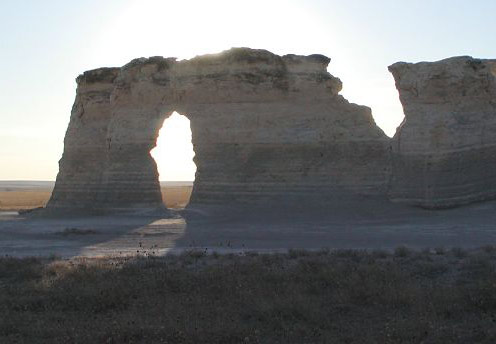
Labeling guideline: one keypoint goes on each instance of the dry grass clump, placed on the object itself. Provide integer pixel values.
(324, 296)
(402, 251)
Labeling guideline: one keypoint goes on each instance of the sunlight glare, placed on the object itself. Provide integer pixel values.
(174, 151)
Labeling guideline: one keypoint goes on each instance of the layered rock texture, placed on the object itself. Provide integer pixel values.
(274, 128)
(264, 127)
(444, 153)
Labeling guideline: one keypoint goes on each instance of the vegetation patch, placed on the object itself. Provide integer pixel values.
(325, 296)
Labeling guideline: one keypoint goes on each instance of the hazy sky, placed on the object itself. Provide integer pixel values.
(44, 45)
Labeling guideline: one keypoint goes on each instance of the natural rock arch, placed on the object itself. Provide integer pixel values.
(174, 153)
(268, 127)
(263, 127)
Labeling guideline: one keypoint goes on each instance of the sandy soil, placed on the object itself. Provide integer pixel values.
(27, 195)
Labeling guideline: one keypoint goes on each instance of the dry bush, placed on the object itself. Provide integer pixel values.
(402, 252)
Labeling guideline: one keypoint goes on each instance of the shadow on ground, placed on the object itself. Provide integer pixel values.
(374, 224)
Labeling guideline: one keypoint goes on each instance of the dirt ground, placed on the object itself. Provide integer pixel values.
(349, 224)
(14, 199)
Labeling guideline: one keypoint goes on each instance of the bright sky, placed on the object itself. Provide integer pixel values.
(44, 45)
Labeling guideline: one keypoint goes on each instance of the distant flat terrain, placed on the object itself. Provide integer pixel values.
(25, 185)
(20, 194)
(176, 194)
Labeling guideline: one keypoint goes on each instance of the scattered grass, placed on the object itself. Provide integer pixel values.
(380, 254)
(459, 252)
(297, 253)
(324, 296)
(440, 251)
(402, 252)
(489, 249)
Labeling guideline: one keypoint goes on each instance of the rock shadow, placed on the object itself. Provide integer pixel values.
(352, 224)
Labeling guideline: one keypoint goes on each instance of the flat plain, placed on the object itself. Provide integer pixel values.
(21, 195)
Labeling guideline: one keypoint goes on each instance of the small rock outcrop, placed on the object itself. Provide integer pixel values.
(444, 153)
(263, 127)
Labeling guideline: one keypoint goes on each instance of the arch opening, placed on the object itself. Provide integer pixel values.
(174, 155)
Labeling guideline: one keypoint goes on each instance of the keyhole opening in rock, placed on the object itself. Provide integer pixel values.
(174, 157)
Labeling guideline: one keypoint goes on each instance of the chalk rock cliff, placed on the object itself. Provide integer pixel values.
(263, 127)
(444, 153)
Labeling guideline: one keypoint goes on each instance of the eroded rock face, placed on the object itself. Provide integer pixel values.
(444, 153)
(263, 127)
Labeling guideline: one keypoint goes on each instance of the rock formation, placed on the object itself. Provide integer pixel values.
(268, 127)
(444, 153)
(263, 127)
